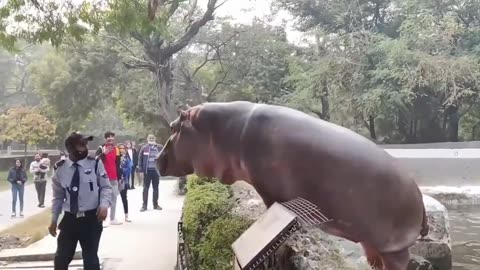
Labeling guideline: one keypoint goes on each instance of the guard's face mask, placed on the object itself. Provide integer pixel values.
(81, 154)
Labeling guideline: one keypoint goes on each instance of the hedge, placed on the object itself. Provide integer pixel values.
(210, 228)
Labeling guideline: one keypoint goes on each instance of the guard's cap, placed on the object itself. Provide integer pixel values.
(76, 138)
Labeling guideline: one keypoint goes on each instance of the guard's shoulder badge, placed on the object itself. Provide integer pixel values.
(58, 164)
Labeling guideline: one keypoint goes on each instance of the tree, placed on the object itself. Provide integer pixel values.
(75, 82)
(232, 62)
(406, 71)
(161, 38)
(26, 125)
(48, 21)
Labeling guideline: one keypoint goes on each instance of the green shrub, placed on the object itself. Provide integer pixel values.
(193, 180)
(206, 201)
(215, 251)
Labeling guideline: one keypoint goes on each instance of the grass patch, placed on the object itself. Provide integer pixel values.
(4, 184)
(34, 227)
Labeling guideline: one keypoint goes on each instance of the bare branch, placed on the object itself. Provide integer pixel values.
(221, 4)
(216, 48)
(138, 37)
(173, 7)
(217, 85)
(203, 64)
(192, 30)
(116, 39)
(152, 8)
(139, 65)
(191, 11)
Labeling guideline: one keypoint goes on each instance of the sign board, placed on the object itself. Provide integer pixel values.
(263, 237)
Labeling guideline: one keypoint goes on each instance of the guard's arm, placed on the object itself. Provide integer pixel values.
(104, 186)
(59, 195)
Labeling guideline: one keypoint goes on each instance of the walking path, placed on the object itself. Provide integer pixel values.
(30, 207)
(148, 243)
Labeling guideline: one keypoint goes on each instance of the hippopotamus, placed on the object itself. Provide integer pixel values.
(287, 154)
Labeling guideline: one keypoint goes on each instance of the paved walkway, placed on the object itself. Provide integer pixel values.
(30, 207)
(148, 243)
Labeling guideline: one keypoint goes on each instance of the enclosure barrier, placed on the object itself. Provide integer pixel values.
(182, 250)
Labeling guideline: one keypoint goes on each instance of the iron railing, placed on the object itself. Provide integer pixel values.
(182, 250)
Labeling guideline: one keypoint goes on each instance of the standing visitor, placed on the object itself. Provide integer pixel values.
(110, 156)
(17, 176)
(39, 170)
(147, 155)
(126, 166)
(81, 189)
(133, 155)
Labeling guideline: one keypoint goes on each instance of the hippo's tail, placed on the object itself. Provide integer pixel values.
(425, 227)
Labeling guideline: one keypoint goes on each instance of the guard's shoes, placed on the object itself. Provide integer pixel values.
(21, 214)
(143, 209)
(41, 206)
(14, 215)
(157, 207)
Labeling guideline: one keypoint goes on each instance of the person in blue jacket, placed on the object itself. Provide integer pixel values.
(17, 176)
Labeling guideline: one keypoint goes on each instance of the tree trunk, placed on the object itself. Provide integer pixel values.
(453, 123)
(473, 134)
(325, 104)
(164, 90)
(371, 127)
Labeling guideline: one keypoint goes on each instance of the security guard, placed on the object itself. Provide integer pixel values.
(82, 190)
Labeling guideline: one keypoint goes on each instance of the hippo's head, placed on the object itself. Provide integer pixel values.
(179, 153)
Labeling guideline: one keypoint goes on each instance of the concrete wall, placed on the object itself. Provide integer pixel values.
(444, 172)
(449, 164)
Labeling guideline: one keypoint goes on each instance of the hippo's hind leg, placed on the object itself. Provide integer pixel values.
(373, 257)
(396, 260)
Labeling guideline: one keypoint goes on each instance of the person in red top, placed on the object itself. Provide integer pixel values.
(110, 156)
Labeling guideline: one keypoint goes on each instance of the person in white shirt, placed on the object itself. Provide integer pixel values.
(39, 170)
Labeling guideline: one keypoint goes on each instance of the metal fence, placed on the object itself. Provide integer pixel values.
(183, 262)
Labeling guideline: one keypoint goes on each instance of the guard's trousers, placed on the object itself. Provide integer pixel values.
(87, 230)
